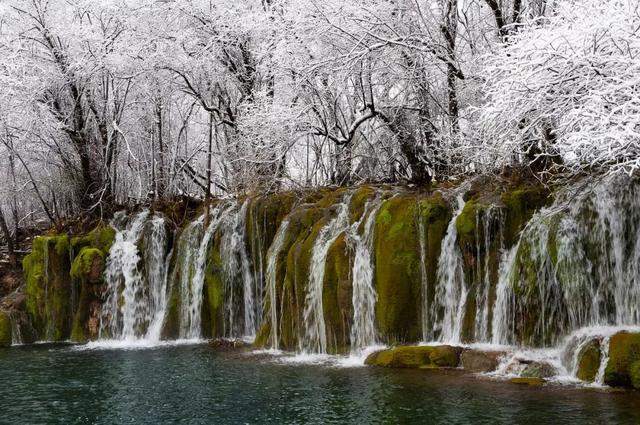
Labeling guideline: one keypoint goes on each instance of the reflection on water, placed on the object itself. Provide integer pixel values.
(46, 384)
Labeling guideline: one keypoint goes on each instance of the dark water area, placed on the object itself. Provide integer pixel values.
(196, 385)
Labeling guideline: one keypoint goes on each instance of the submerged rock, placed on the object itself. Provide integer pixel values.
(532, 382)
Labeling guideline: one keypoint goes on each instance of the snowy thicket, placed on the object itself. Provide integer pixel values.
(120, 101)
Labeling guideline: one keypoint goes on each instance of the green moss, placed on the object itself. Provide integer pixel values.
(409, 357)
(521, 203)
(88, 265)
(48, 287)
(624, 350)
(101, 238)
(358, 201)
(445, 356)
(397, 263)
(5, 329)
(589, 361)
(466, 222)
(634, 374)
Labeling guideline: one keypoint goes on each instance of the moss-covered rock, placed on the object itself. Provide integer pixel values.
(589, 361)
(397, 262)
(412, 357)
(102, 237)
(5, 329)
(416, 357)
(538, 370)
(480, 361)
(445, 356)
(87, 276)
(521, 202)
(48, 287)
(624, 350)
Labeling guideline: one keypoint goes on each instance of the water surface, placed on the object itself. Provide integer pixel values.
(195, 384)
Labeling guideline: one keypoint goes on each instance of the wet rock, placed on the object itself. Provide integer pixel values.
(416, 357)
(589, 361)
(480, 361)
(445, 356)
(539, 370)
(413, 357)
(624, 351)
(226, 344)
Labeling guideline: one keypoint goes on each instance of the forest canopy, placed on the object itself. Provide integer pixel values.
(118, 102)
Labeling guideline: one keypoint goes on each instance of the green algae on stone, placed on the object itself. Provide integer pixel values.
(624, 350)
(445, 356)
(397, 263)
(410, 357)
(86, 274)
(589, 361)
(521, 203)
(102, 237)
(634, 373)
(5, 329)
(48, 287)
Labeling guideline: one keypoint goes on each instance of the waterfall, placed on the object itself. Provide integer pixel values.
(451, 291)
(502, 324)
(16, 332)
(240, 301)
(188, 246)
(271, 279)
(487, 222)
(193, 278)
(314, 339)
(123, 313)
(363, 331)
(156, 268)
(584, 252)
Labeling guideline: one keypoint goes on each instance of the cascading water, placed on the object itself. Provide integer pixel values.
(238, 276)
(314, 338)
(187, 249)
(271, 279)
(584, 252)
(122, 315)
(197, 282)
(156, 267)
(488, 226)
(451, 291)
(363, 331)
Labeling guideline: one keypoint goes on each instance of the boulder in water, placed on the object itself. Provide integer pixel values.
(589, 361)
(480, 361)
(538, 370)
(624, 351)
(445, 356)
(416, 357)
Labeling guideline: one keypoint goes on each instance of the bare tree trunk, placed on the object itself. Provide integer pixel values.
(9, 240)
